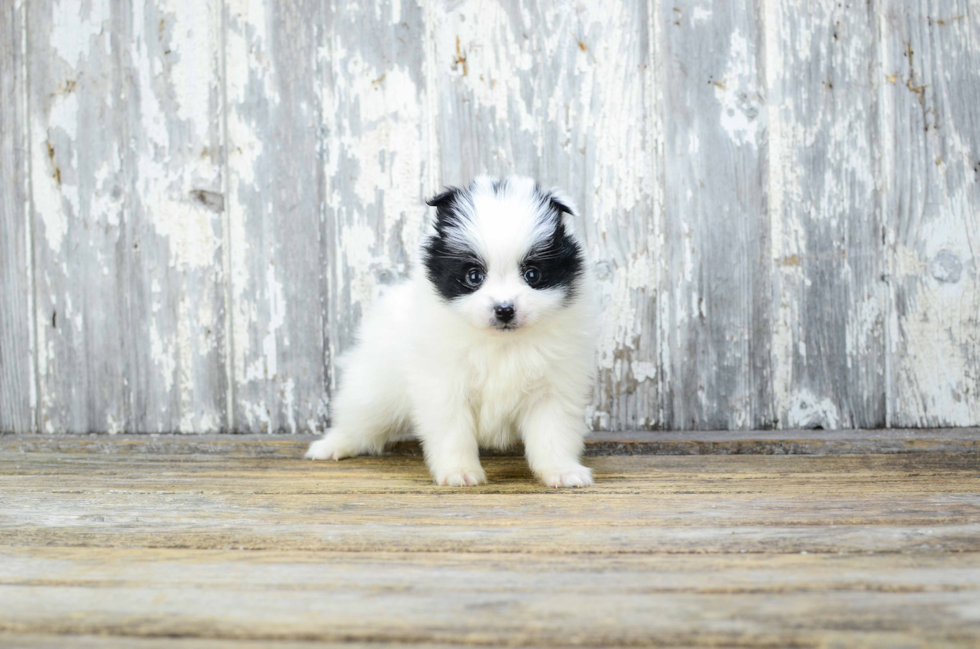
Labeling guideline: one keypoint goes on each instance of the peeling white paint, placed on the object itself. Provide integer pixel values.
(246, 49)
(701, 15)
(808, 411)
(643, 370)
(185, 377)
(388, 146)
(46, 192)
(106, 205)
(610, 84)
(785, 228)
(277, 316)
(75, 23)
(257, 412)
(477, 45)
(23, 166)
(618, 298)
(188, 22)
(113, 425)
(244, 309)
(289, 404)
(209, 422)
(738, 93)
(246, 61)
(355, 248)
(162, 355)
(189, 228)
(815, 246)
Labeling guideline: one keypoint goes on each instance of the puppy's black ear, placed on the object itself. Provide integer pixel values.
(560, 202)
(443, 199)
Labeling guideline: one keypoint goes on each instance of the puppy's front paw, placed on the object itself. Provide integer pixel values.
(573, 476)
(460, 477)
(331, 447)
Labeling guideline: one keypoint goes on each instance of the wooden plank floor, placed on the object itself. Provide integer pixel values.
(112, 543)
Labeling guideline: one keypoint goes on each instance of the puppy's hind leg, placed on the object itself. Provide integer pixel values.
(369, 410)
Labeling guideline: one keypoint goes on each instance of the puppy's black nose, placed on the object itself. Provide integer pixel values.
(505, 312)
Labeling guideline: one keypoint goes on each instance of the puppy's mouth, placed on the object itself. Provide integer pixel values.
(505, 326)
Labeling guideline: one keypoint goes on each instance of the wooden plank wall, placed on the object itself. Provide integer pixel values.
(200, 199)
(828, 258)
(17, 397)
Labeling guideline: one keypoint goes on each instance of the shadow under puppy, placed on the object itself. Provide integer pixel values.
(488, 342)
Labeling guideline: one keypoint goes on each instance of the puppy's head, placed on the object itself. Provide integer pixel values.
(502, 254)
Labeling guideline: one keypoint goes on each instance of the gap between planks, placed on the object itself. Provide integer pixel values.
(753, 442)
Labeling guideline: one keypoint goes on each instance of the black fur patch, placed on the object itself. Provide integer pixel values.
(559, 260)
(445, 265)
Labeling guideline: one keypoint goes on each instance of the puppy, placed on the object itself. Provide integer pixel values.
(489, 341)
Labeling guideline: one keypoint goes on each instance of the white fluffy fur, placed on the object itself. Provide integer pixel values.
(442, 371)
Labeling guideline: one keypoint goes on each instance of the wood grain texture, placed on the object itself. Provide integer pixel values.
(492, 599)
(746, 550)
(931, 141)
(39, 640)
(718, 316)
(77, 123)
(17, 387)
(173, 225)
(276, 216)
(377, 145)
(780, 200)
(125, 168)
(828, 259)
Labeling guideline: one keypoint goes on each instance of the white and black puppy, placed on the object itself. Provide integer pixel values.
(490, 341)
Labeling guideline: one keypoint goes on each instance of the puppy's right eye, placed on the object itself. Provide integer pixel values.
(474, 277)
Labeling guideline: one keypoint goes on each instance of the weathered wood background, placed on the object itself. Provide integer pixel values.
(200, 198)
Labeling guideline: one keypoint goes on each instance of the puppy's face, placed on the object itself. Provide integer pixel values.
(503, 255)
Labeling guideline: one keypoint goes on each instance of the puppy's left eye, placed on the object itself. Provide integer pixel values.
(474, 277)
(532, 276)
